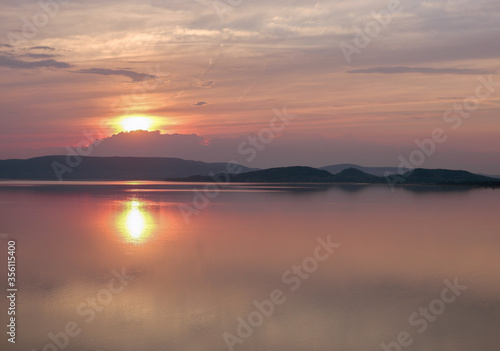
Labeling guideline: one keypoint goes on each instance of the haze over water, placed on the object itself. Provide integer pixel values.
(191, 281)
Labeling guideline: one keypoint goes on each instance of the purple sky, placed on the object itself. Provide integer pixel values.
(364, 79)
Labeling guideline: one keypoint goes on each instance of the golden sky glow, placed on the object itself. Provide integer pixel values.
(136, 123)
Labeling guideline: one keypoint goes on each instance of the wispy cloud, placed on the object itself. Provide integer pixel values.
(422, 70)
(42, 48)
(10, 62)
(199, 83)
(200, 103)
(135, 76)
(39, 56)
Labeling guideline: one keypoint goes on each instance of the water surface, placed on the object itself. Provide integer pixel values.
(193, 279)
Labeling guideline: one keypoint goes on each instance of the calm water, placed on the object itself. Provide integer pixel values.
(192, 281)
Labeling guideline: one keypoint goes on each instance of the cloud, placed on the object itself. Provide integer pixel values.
(19, 64)
(200, 103)
(155, 144)
(285, 150)
(42, 48)
(39, 56)
(423, 70)
(200, 83)
(135, 76)
(5, 45)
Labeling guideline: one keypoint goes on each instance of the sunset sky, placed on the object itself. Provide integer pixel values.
(209, 73)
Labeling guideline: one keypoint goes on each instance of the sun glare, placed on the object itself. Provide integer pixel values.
(136, 123)
(136, 222)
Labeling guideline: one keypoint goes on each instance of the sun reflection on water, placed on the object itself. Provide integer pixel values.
(136, 222)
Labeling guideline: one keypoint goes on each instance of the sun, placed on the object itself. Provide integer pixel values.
(136, 123)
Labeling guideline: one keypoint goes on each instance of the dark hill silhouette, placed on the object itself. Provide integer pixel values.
(377, 171)
(297, 174)
(159, 168)
(445, 176)
(353, 175)
(107, 168)
(350, 176)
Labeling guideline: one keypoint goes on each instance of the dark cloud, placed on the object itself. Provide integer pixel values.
(423, 70)
(5, 45)
(42, 48)
(40, 56)
(200, 103)
(19, 64)
(135, 76)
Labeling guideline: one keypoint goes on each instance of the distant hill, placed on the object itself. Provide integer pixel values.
(107, 168)
(175, 169)
(353, 176)
(296, 174)
(382, 171)
(377, 171)
(446, 177)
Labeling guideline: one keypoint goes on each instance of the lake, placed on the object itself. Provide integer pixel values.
(140, 266)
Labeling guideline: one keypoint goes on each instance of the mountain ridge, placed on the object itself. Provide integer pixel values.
(176, 169)
(302, 174)
(106, 168)
(376, 171)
